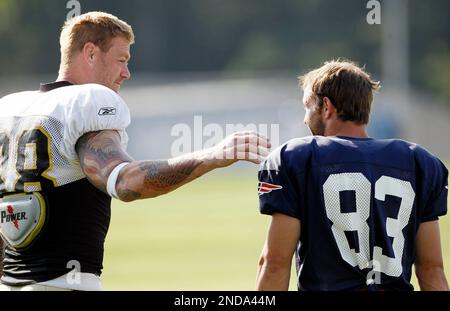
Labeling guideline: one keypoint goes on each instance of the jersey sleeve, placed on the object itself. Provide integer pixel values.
(437, 204)
(94, 108)
(277, 189)
(435, 189)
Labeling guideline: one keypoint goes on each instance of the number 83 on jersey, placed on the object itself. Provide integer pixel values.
(358, 221)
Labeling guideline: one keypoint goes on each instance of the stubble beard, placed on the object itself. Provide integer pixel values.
(316, 126)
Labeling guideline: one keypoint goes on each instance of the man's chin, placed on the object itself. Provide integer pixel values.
(317, 133)
(317, 129)
(116, 87)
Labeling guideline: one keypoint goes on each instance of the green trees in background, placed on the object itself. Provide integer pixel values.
(233, 35)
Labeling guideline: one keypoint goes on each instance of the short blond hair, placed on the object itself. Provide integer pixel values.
(348, 86)
(98, 28)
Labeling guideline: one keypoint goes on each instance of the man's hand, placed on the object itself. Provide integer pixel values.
(247, 146)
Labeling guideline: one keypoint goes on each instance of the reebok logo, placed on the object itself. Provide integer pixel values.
(107, 111)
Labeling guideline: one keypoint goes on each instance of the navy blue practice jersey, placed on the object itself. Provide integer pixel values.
(360, 203)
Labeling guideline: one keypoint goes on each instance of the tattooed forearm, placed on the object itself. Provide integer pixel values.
(128, 195)
(148, 179)
(162, 175)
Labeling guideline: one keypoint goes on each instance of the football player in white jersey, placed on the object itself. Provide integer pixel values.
(62, 158)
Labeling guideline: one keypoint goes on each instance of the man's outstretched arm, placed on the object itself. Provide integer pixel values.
(274, 267)
(101, 152)
(429, 263)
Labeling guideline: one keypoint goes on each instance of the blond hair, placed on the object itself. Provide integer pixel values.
(348, 87)
(98, 28)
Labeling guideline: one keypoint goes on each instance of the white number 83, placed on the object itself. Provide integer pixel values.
(357, 221)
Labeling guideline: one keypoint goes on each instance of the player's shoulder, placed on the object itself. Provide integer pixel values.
(90, 88)
(397, 143)
(420, 153)
(395, 147)
(300, 143)
(17, 96)
(16, 103)
(296, 151)
(427, 160)
(90, 98)
(89, 91)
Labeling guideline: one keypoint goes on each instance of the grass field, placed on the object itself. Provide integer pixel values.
(205, 236)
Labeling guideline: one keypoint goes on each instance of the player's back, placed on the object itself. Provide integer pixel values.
(360, 203)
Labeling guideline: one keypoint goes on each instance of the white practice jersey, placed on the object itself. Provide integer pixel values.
(50, 214)
(39, 131)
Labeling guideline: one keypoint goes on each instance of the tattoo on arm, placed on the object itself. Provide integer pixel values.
(162, 175)
(128, 195)
(156, 178)
(99, 153)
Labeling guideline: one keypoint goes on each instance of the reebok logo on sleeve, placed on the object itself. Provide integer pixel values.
(107, 111)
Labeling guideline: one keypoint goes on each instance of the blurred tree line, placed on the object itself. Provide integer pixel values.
(234, 36)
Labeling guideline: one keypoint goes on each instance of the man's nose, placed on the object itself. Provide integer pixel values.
(126, 74)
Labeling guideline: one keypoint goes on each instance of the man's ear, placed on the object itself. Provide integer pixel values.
(90, 51)
(328, 108)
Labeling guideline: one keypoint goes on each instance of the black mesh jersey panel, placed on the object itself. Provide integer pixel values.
(76, 226)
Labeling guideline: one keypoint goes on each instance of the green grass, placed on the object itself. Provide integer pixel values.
(205, 236)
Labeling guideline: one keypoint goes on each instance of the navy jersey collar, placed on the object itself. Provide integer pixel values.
(354, 138)
(47, 87)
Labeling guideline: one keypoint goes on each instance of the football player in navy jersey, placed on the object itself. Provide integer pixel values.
(357, 212)
(62, 158)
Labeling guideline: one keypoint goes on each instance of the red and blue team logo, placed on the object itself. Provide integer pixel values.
(264, 188)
